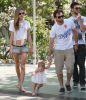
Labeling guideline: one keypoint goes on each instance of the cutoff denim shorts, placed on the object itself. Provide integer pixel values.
(19, 49)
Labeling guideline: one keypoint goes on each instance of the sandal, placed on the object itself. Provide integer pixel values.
(22, 88)
(33, 94)
(18, 86)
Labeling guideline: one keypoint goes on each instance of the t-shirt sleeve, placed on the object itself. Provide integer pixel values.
(72, 24)
(84, 22)
(28, 25)
(11, 27)
(52, 32)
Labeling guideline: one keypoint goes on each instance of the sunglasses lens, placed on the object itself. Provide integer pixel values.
(60, 16)
(21, 13)
(78, 8)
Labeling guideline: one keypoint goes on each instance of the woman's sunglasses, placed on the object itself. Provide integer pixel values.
(21, 13)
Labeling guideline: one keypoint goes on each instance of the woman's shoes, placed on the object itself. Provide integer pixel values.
(21, 88)
(18, 86)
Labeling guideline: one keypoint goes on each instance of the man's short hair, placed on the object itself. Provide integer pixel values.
(73, 4)
(59, 6)
(57, 11)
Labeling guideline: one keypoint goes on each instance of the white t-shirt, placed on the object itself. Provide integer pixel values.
(81, 35)
(62, 35)
(20, 32)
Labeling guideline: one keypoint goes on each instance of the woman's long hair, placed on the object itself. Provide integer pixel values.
(16, 18)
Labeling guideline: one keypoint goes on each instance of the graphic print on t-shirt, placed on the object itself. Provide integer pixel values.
(65, 35)
(76, 22)
(20, 26)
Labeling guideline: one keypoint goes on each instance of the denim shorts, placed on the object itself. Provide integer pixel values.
(19, 49)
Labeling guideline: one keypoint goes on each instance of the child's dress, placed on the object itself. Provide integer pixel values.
(39, 78)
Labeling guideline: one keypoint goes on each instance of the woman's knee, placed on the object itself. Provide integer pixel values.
(22, 67)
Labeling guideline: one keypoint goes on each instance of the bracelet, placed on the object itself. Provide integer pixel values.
(76, 43)
(49, 55)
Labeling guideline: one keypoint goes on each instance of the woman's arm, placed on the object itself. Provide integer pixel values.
(11, 41)
(30, 41)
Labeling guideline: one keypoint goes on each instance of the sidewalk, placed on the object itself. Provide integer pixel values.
(8, 83)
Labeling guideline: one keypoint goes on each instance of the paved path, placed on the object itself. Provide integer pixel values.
(8, 84)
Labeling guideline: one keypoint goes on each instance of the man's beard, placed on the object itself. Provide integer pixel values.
(75, 13)
(60, 21)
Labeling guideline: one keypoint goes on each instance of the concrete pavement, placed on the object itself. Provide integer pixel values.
(8, 84)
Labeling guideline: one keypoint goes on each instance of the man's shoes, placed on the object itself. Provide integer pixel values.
(75, 85)
(68, 88)
(82, 86)
(61, 91)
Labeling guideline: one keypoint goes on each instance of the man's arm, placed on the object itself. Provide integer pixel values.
(75, 38)
(82, 27)
(50, 49)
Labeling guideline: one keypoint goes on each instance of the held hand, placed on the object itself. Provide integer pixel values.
(75, 47)
(79, 16)
(49, 59)
(31, 51)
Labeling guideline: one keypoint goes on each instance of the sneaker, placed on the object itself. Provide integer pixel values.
(75, 85)
(68, 88)
(61, 91)
(82, 86)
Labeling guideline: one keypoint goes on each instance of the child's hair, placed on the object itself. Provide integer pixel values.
(42, 64)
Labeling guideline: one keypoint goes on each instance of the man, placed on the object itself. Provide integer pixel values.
(59, 7)
(61, 33)
(80, 23)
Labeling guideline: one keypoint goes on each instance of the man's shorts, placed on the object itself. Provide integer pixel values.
(19, 49)
(64, 56)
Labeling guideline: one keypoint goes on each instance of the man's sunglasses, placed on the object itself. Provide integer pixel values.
(77, 8)
(21, 13)
(60, 16)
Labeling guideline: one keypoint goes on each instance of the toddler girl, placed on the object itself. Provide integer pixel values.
(39, 77)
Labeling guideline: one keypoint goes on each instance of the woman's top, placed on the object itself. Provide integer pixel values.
(20, 34)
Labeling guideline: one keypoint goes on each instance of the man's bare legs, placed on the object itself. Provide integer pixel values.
(68, 78)
(60, 78)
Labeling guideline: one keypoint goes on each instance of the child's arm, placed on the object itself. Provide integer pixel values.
(48, 66)
(36, 71)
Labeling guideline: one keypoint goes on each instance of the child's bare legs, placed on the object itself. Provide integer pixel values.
(39, 86)
(33, 88)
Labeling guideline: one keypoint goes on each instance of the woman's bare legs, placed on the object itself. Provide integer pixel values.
(22, 74)
(16, 59)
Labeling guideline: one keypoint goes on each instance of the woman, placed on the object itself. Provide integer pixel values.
(20, 31)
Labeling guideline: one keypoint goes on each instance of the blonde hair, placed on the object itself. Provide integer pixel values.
(42, 64)
(16, 18)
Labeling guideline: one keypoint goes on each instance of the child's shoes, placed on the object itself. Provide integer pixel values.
(33, 94)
